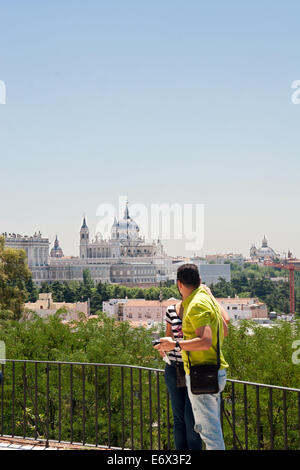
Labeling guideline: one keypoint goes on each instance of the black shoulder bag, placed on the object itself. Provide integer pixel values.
(204, 378)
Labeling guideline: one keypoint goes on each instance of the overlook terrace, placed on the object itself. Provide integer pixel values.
(114, 406)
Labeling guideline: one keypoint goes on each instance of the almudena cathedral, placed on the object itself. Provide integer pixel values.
(125, 258)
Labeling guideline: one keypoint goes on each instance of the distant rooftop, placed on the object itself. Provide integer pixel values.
(18, 237)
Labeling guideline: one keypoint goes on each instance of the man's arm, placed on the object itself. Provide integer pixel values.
(203, 341)
(224, 314)
(225, 317)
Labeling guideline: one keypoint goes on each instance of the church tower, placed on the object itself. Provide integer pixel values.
(84, 240)
(56, 251)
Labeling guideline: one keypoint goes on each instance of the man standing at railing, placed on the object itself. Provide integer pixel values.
(203, 329)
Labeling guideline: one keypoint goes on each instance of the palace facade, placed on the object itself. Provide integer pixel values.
(125, 258)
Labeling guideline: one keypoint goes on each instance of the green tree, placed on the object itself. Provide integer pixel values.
(14, 274)
(57, 289)
(254, 354)
(70, 291)
(87, 285)
(32, 290)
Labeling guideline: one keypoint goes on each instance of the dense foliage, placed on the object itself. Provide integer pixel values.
(128, 406)
(263, 355)
(121, 415)
(14, 274)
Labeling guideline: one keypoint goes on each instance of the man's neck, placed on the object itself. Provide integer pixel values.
(187, 293)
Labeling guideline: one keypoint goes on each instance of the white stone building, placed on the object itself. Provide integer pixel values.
(265, 252)
(138, 310)
(125, 258)
(36, 247)
(244, 308)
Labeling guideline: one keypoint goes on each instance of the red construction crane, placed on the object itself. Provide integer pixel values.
(292, 265)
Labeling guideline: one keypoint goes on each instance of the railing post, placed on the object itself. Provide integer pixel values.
(168, 420)
(150, 407)
(271, 419)
(13, 399)
(59, 402)
(2, 400)
(122, 407)
(299, 418)
(285, 419)
(71, 403)
(141, 408)
(47, 408)
(233, 413)
(96, 404)
(109, 406)
(83, 404)
(158, 408)
(246, 416)
(24, 400)
(258, 419)
(36, 399)
(131, 408)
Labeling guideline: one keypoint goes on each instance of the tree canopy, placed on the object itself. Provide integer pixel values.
(14, 275)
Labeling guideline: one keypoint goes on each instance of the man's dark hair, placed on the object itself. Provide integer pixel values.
(188, 274)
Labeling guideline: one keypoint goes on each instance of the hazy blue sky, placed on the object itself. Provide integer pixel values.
(164, 101)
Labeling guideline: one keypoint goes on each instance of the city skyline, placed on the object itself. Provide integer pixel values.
(67, 253)
(187, 103)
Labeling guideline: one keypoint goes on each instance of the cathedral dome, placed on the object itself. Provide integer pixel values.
(265, 251)
(126, 228)
(128, 224)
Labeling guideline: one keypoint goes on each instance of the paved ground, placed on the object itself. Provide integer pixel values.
(9, 443)
(7, 446)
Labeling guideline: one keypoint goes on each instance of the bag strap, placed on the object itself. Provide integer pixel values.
(218, 348)
(218, 351)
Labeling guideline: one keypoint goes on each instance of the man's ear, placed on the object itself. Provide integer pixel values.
(179, 287)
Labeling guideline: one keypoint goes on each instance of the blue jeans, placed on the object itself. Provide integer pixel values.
(206, 409)
(184, 435)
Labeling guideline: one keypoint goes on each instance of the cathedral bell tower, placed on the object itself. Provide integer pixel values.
(84, 240)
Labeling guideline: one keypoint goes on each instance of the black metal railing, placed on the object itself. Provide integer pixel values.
(260, 416)
(128, 407)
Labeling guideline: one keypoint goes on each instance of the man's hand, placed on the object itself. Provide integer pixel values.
(201, 342)
(166, 344)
